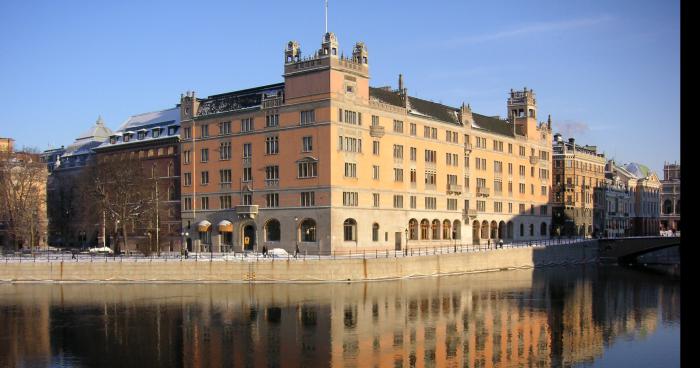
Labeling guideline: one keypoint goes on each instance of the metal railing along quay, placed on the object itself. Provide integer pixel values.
(250, 256)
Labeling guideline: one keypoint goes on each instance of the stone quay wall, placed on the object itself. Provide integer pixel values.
(298, 270)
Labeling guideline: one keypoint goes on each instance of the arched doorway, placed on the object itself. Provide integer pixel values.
(494, 230)
(456, 230)
(446, 230)
(510, 230)
(249, 237)
(413, 229)
(484, 230)
(543, 229)
(476, 232)
(435, 234)
(502, 230)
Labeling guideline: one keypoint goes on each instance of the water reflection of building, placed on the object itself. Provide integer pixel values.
(518, 318)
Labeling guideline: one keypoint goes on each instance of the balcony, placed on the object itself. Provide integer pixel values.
(454, 188)
(482, 192)
(247, 211)
(467, 149)
(376, 131)
(534, 160)
(272, 183)
(271, 102)
(468, 214)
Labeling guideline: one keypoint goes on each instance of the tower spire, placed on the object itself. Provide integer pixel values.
(326, 16)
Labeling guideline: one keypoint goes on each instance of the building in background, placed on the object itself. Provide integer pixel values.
(67, 205)
(577, 171)
(644, 187)
(323, 162)
(670, 216)
(615, 205)
(6, 144)
(152, 140)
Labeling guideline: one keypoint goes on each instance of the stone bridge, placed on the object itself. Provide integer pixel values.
(625, 250)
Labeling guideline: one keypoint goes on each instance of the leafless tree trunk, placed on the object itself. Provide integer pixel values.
(117, 185)
(23, 197)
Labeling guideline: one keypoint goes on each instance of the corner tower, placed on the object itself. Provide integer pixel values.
(326, 74)
(522, 112)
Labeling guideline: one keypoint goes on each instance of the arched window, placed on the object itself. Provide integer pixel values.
(436, 230)
(424, 229)
(446, 228)
(272, 230)
(494, 230)
(543, 229)
(484, 229)
(307, 228)
(350, 230)
(456, 230)
(375, 232)
(502, 230)
(413, 229)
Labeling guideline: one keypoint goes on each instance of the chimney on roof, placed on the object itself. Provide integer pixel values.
(400, 82)
(549, 122)
(571, 141)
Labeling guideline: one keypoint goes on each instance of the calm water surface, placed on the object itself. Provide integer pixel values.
(583, 316)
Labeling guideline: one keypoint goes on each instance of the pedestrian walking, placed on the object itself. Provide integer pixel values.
(264, 251)
(296, 250)
(500, 243)
(187, 253)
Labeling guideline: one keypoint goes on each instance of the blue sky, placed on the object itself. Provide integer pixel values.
(607, 71)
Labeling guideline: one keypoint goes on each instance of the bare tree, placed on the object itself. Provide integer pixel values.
(23, 197)
(120, 192)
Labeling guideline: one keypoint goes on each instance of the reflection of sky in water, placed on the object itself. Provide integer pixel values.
(583, 316)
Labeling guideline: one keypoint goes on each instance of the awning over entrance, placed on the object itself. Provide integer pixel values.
(225, 226)
(203, 226)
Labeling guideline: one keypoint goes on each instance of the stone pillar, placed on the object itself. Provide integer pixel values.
(197, 246)
(217, 243)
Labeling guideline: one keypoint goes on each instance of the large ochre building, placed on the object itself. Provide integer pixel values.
(323, 162)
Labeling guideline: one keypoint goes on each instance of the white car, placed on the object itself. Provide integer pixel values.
(278, 253)
(101, 250)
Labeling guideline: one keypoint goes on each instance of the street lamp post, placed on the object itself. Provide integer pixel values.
(406, 250)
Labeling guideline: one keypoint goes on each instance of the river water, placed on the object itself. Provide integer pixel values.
(579, 316)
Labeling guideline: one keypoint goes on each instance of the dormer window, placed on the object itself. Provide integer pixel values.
(156, 133)
(140, 135)
(172, 130)
(113, 139)
(127, 137)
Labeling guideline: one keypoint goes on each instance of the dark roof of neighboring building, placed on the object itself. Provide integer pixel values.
(238, 100)
(441, 112)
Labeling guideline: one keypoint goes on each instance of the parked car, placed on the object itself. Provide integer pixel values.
(101, 250)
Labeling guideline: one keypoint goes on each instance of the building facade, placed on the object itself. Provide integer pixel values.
(614, 205)
(644, 187)
(154, 138)
(671, 197)
(577, 171)
(68, 224)
(323, 162)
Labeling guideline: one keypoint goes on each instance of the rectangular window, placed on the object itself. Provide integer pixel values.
(375, 200)
(350, 170)
(307, 144)
(272, 200)
(375, 148)
(272, 145)
(398, 175)
(225, 176)
(398, 151)
(306, 169)
(308, 117)
(430, 178)
(522, 188)
(430, 203)
(375, 172)
(430, 156)
(510, 208)
(187, 132)
(521, 151)
(543, 190)
(497, 207)
(205, 177)
(414, 153)
(521, 208)
(543, 210)
(413, 176)
(375, 120)
(204, 131)
(188, 179)
(307, 199)
(205, 203)
(480, 183)
(204, 157)
(187, 203)
(247, 150)
(398, 201)
(224, 127)
(351, 117)
(398, 126)
(225, 151)
(413, 129)
(413, 202)
(426, 132)
(350, 199)
(186, 157)
(224, 202)
(522, 170)
(272, 120)
(247, 174)
(272, 173)
(452, 204)
(433, 133)
(497, 167)
(247, 199)
(497, 186)
(481, 206)
(349, 144)
(510, 148)
(247, 125)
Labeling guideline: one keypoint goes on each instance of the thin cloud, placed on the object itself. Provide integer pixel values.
(571, 129)
(540, 27)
